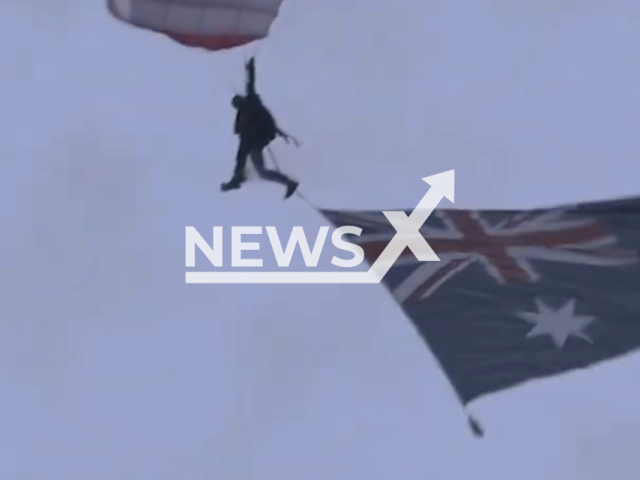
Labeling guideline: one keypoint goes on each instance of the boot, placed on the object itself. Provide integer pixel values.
(231, 185)
(291, 188)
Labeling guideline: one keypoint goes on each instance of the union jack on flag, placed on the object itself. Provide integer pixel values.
(517, 295)
(507, 248)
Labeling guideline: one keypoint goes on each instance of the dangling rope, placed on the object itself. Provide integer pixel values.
(475, 426)
(298, 193)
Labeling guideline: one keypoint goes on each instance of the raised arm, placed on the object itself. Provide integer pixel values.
(251, 77)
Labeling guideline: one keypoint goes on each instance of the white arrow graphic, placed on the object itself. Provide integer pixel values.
(408, 227)
(407, 235)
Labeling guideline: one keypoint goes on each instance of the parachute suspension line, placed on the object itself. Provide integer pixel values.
(306, 200)
(275, 163)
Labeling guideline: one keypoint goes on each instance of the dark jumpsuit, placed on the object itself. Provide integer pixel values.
(256, 128)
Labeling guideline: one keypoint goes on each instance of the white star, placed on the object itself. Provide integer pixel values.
(559, 324)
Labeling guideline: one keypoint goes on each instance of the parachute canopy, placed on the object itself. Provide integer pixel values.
(209, 24)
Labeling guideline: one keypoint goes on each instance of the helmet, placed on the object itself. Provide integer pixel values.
(236, 101)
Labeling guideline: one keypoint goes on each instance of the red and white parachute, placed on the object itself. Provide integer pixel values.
(209, 24)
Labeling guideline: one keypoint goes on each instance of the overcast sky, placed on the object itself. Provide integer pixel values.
(113, 140)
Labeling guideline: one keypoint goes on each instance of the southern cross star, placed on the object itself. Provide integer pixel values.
(559, 324)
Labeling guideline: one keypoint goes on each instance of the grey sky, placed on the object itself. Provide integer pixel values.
(114, 140)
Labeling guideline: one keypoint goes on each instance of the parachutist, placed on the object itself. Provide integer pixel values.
(256, 128)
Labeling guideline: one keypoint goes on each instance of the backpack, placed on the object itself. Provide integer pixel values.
(255, 123)
(267, 123)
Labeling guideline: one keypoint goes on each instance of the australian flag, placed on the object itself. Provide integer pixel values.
(517, 295)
